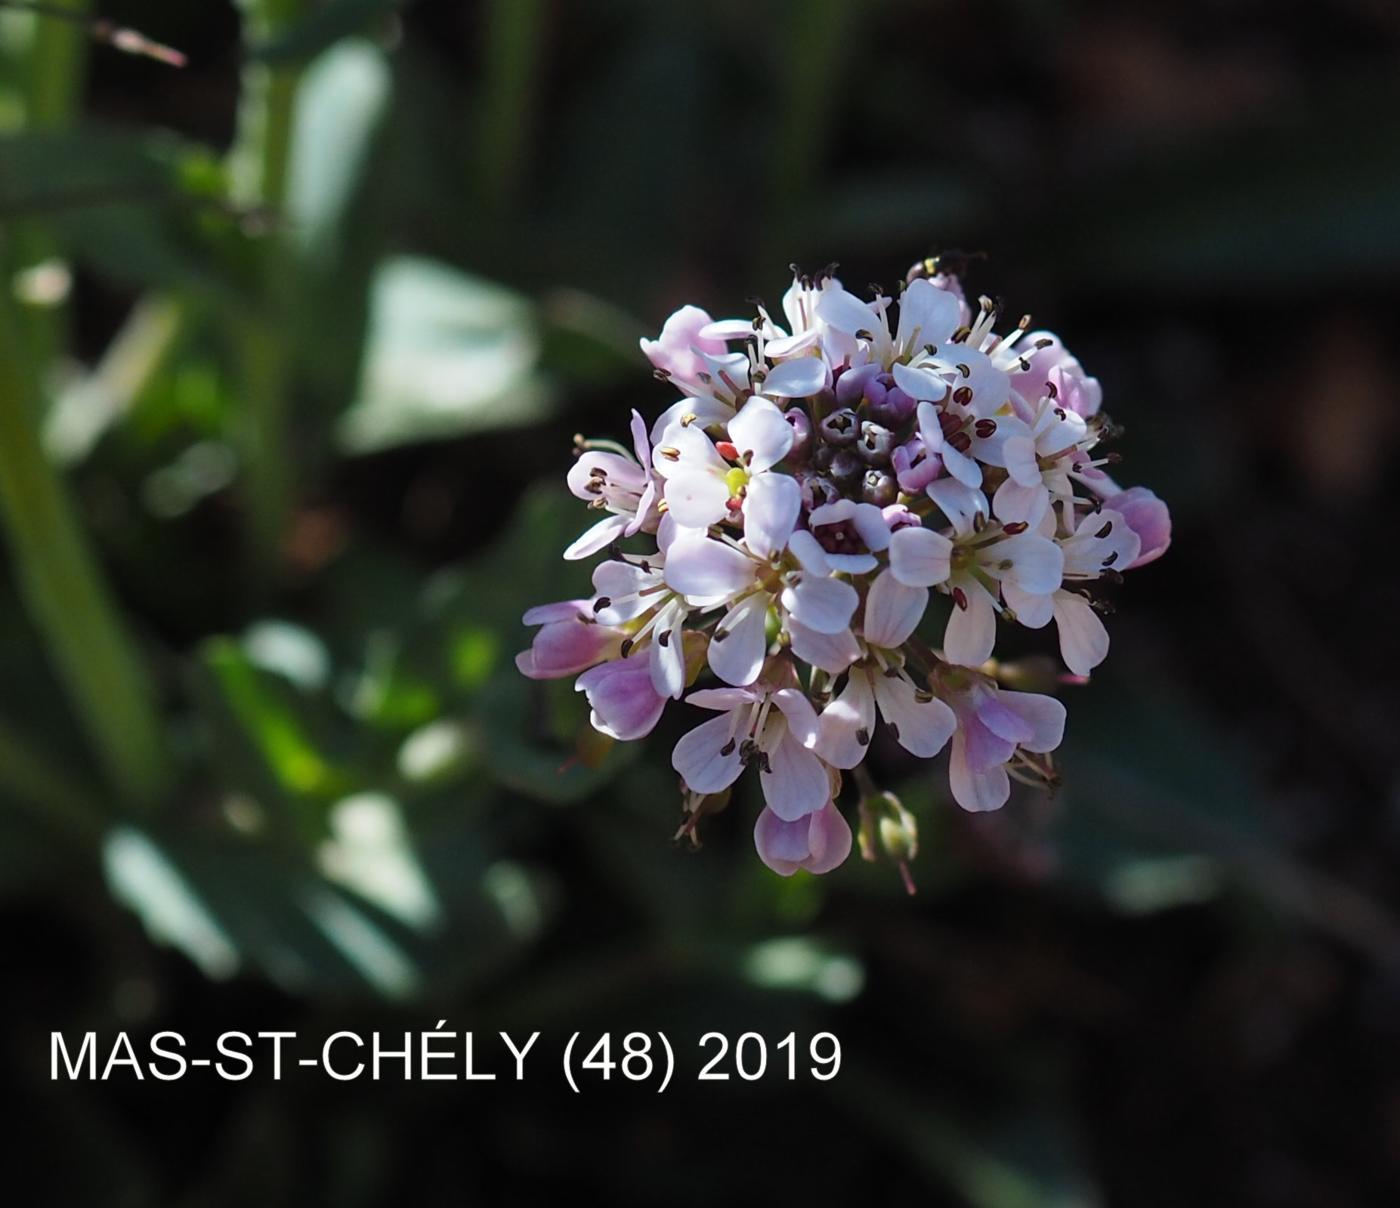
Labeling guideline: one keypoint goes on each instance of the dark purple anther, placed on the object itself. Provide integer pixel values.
(874, 444)
(840, 428)
(879, 487)
(801, 425)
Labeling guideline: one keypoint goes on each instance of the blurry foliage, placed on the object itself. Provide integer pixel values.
(484, 207)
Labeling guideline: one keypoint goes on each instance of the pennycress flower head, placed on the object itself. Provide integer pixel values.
(774, 540)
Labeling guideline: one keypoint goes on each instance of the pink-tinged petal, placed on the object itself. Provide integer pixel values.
(564, 648)
(678, 348)
(1037, 563)
(892, 611)
(600, 536)
(832, 652)
(563, 610)
(845, 312)
(927, 315)
(1148, 517)
(846, 720)
(1045, 716)
(981, 748)
(976, 790)
(828, 840)
(625, 705)
(961, 503)
(801, 377)
(994, 711)
(796, 782)
(705, 570)
(802, 720)
(707, 757)
(1014, 503)
(825, 605)
(740, 642)
(1083, 638)
(761, 434)
(921, 727)
(1032, 611)
(640, 443)
(972, 630)
(783, 846)
(772, 503)
(809, 553)
(919, 557)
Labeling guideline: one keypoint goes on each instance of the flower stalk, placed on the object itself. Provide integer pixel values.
(66, 594)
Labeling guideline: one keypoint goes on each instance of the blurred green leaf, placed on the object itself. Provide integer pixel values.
(446, 354)
(340, 103)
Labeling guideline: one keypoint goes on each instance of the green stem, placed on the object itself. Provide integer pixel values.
(56, 64)
(66, 594)
(259, 164)
(510, 60)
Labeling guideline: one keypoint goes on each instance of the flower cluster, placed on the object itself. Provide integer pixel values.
(826, 487)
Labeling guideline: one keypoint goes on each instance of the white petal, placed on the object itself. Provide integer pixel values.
(892, 611)
(842, 310)
(870, 523)
(976, 791)
(832, 652)
(798, 378)
(808, 551)
(1032, 611)
(927, 315)
(959, 502)
(668, 653)
(701, 759)
(1036, 562)
(600, 536)
(1013, 502)
(919, 556)
(921, 727)
(825, 605)
(961, 466)
(925, 385)
(1018, 455)
(685, 449)
(972, 631)
(795, 783)
(853, 564)
(801, 717)
(737, 656)
(846, 720)
(761, 434)
(772, 503)
(706, 571)
(723, 699)
(1083, 638)
(727, 329)
(697, 499)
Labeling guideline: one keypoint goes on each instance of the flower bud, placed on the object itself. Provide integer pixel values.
(840, 428)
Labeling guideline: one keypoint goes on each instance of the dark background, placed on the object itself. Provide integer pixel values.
(1177, 982)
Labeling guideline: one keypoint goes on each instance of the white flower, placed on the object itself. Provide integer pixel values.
(918, 721)
(776, 730)
(609, 479)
